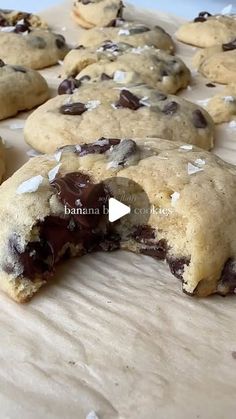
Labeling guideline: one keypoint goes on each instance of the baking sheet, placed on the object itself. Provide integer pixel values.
(113, 333)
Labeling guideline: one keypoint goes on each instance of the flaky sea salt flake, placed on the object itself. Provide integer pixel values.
(174, 198)
(193, 169)
(30, 185)
(53, 172)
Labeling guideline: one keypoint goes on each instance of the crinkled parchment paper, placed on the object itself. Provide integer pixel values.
(113, 333)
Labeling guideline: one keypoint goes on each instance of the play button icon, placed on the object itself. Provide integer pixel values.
(117, 210)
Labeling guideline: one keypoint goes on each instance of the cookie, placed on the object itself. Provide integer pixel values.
(136, 34)
(91, 13)
(126, 64)
(2, 160)
(32, 47)
(10, 18)
(207, 30)
(218, 63)
(222, 107)
(103, 109)
(20, 89)
(67, 194)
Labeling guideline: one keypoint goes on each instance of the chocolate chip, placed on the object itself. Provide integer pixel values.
(210, 85)
(229, 46)
(177, 266)
(128, 100)
(138, 30)
(199, 120)
(170, 108)
(85, 2)
(122, 152)
(205, 14)
(74, 187)
(143, 234)
(227, 282)
(60, 41)
(2, 64)
(99, 147)
(68, 86)
(38, 42)
(76, 108)
(110, 46)
(105, 76)
(161, 96)
(156, 250)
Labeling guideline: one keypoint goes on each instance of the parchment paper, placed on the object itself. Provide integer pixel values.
(113, 333)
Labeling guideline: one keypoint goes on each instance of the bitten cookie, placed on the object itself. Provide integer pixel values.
(10, 18)
(222, 107)
(218, 63)
(207, 30)
(105, 110)
(2, 160)
(45, 213)
(20, 89)
(90, 13)
(23, 44)
(136, 34)
(126, 64)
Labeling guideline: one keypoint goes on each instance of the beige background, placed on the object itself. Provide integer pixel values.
(113, 333)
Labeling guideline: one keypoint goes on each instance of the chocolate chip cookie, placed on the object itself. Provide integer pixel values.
(20, 89)
(46, 213)
(23, 43)
(104, 109)
(133, 33)
(207, 30)
(218, 63)
(17, 19)
(90, 13)
(2, 160)
(126, 64)
(222, 107)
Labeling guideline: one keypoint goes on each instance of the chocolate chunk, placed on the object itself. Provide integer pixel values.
(85, 2)
(128, 100)
(22, 27)
(38, 42)
(156, 250)
(161, 96)
(110, 46)
(120, 11)
(227, 282)
(199, 120)
(229, 46)
(122, 152)
(68, 86)
(76, 108)
(105, 76)
(2, 64)
(110, 243)
(76, 190)
(202, 17)
(138, 30)
(60, 41)
(170, 108)
(99, 147)
(177, 266)
(19, 69)
(143, 234)
(3, 21)
(210, 85)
